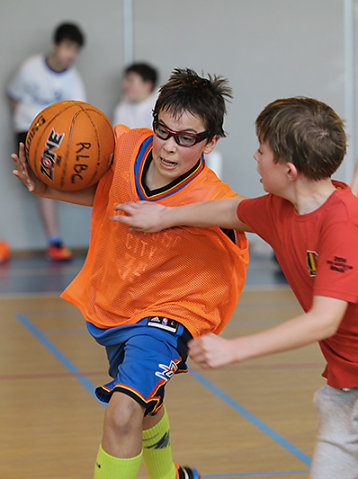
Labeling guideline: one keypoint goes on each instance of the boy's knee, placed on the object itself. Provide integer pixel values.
(123, 414)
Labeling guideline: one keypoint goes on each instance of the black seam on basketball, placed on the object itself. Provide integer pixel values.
(98, 162)
(68, 144)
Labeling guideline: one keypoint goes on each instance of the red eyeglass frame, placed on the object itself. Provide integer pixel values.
(197, 136)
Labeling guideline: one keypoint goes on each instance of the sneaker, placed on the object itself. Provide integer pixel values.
(184, 472)
(58, 252)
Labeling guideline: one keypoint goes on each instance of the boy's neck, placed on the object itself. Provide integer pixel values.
(152, 180)
(54, 64)
(307, 195)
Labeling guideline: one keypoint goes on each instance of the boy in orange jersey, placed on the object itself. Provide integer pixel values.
(145, 296)
(311, 222)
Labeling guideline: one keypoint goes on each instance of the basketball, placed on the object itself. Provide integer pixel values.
(69, 145)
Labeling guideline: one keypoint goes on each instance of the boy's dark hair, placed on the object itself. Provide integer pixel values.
(69, 31)
(305, 132)
(205, 98)
(145, 71)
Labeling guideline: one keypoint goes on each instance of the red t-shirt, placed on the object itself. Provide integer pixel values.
(318, 253)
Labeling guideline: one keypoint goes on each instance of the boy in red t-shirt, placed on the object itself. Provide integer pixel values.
(311, 222)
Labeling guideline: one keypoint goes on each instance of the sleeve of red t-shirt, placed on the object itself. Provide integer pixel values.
(259, 214)
(337, 267)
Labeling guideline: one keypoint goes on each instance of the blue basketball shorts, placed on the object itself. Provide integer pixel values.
(143, 357)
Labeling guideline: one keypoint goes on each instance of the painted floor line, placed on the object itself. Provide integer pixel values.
(253, 419)
(58, 355)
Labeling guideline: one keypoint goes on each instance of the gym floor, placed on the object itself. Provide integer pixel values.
(255, 419)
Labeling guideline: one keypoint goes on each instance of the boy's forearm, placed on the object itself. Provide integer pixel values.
(83, 197)
(205, 214)
(292, 334)
(152, 217)
(321, 322)
(297, 332)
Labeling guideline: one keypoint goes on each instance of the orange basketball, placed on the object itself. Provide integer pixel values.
(69, 145)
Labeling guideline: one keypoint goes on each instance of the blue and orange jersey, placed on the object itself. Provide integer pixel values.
(193, 275)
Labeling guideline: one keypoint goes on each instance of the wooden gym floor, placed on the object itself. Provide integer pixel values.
(256, 419)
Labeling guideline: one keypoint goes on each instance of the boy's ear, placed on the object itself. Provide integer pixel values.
(211, 145)
(292, 172)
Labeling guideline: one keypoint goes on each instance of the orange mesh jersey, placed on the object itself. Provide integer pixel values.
(192, 275)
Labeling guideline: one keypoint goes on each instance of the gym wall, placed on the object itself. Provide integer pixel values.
(266, 48)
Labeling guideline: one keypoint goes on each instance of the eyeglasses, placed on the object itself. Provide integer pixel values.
(181, 138)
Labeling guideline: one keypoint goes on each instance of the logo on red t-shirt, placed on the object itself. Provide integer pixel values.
(339, 264)
(311, 260)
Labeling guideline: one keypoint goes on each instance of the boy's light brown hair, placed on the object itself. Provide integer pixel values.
(305, 132)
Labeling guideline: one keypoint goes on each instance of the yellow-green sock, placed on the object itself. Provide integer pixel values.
(157, 452)
(109, 467)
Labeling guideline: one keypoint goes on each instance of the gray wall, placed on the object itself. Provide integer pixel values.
(266, 48)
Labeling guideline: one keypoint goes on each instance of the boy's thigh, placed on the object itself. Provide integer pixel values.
(142, 367)
(336, 453)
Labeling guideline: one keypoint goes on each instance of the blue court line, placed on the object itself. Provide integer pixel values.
(57, 353)
(253, 419)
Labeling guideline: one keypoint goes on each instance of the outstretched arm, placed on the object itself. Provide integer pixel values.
(151, 217)
(322, 321)
(38, 188)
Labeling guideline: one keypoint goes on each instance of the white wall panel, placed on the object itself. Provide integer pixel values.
(266, 48)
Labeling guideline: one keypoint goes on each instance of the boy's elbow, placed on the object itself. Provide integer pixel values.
(330, 326)
(327, 314)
